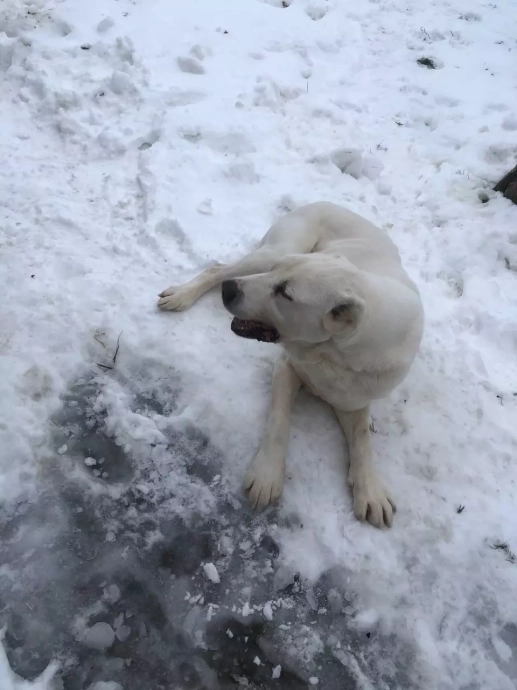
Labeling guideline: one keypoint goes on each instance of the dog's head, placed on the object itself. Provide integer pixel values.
(303, 299)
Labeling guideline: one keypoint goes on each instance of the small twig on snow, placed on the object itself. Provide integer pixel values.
(505, 548)
(97, 337)
(109, 367)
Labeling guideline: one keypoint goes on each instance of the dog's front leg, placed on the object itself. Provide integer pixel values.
(371, 501)
(181, 297)
(265, 477)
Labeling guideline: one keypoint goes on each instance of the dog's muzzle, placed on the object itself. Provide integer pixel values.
(255, 330)
(245, 328)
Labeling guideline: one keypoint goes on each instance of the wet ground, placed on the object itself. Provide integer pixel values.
(103, 570)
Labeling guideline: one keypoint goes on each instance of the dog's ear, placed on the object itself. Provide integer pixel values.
(345, 316)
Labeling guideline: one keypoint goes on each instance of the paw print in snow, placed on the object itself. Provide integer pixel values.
(267, 93)
(354, 163)
(316, 12)
(509, 123)
(470, 17)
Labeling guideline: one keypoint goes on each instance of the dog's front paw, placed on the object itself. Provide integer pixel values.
(264, 480)
(371, 501)
(176, 298)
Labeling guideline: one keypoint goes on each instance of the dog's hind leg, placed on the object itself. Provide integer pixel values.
(371, 501)
(265, 477)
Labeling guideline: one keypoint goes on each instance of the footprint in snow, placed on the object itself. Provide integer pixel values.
(316, 12)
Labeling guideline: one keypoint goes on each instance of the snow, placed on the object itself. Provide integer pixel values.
(142, 141)
(211, 573)
(268, 611)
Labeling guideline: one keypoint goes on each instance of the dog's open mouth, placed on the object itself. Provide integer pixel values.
(255, 330)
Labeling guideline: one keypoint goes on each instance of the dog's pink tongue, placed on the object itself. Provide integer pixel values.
(255, 330)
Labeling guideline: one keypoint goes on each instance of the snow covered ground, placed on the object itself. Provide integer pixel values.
(143, 139)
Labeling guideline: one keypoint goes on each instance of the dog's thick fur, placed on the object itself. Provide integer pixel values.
(329, 285)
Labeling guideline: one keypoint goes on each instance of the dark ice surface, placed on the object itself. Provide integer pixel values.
(117, 543)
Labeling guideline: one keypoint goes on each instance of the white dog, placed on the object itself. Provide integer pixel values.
(329, 286)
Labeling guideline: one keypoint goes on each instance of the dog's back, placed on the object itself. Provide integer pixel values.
(326, 228)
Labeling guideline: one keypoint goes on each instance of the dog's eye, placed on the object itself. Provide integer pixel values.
(281, 289)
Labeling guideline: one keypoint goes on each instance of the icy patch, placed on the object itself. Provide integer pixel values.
(10, 681)
(100, 636)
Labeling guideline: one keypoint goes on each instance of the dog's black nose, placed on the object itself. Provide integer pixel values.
(230, 291)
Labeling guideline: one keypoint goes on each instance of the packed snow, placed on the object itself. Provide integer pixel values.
(211, 573)
(143, 140)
